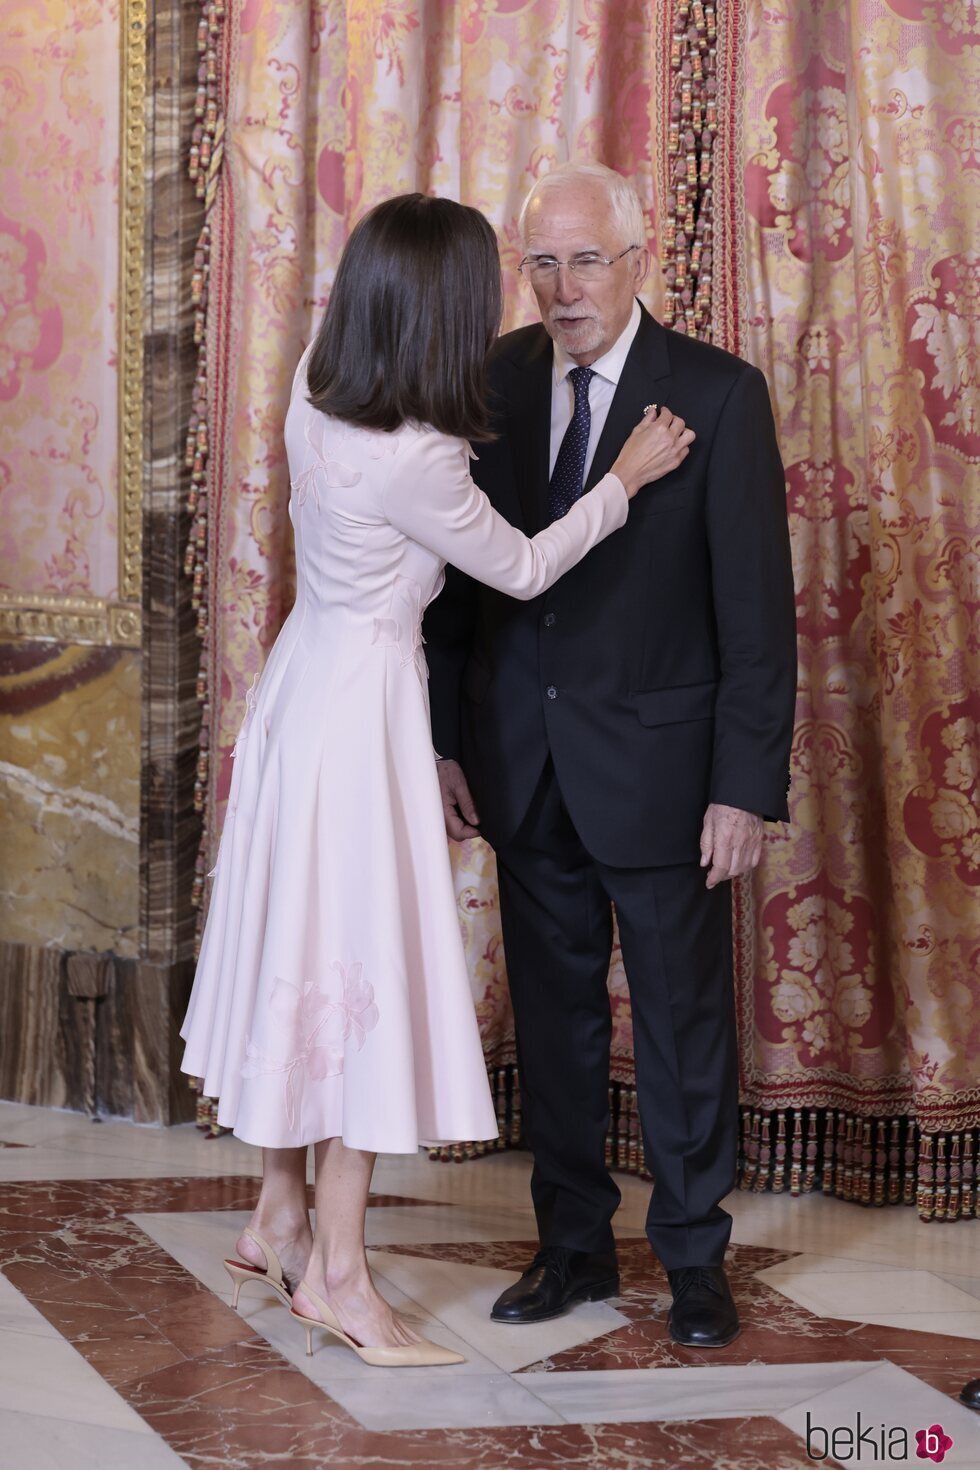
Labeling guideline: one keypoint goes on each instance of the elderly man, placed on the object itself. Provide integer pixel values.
(623, 739)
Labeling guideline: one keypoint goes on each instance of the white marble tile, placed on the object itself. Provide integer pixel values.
(498, 1183)
(17, 1314)
(450, 1301)
(332, 1364)
(619, 1396)
(969, 1284)
(432, 1224)
(500, 1180)
(886, 1396)
(200, 1241)
(810, 1263)
(863, 1296)
(25, 1166)
(24, 1124)
(386, 1225)
(35, 1442)
(478, 1402)
(44, 1375)
(822, 1225)
(461, 1296)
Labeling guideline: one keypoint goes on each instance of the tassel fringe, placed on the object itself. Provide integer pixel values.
(204, 168)
(794, 1151)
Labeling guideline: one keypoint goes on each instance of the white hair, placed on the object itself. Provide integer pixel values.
(624, 202)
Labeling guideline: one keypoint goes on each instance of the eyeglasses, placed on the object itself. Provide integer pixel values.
(588, 266)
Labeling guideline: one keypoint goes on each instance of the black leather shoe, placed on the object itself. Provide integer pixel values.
(704, 1314)
(970, 1393)
(554, 1280)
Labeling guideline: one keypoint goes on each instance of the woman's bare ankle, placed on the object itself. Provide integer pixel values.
(278, 1222)
(347, 1278)
(288, 1234)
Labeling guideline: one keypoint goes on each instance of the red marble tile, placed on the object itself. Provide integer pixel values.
(376, 1201)
(197, 1322)
(218, 1394)
(151, 1279)
(945, 1363)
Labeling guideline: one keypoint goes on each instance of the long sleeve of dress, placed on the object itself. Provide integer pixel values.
(431, 498)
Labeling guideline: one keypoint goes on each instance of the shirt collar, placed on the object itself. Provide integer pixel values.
(610, 365)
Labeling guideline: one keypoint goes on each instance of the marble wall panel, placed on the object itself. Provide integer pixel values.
(32, 1061)
(70, 765)
(111, 1049)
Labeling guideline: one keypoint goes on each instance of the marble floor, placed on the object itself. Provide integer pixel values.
(119, 1348)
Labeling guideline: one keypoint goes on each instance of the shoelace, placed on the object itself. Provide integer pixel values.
(554, 1257)
(696, 1276)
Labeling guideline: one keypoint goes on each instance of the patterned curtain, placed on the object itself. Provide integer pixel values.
(307, 117)
(860, 946)
(805, 176)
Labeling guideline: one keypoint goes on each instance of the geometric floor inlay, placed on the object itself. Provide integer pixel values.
(449, 1301)
(119, 1349)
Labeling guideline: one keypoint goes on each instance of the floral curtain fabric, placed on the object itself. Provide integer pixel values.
(860, 944)
(809, 181)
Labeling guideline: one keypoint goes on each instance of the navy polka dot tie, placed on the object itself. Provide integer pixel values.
(569, 473)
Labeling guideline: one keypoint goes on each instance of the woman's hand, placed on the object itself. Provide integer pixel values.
(656, 446)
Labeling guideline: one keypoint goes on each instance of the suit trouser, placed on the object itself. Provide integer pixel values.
(555, 909)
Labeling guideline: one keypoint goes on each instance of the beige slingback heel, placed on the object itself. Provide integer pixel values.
(271, 1274)
(412, 1355)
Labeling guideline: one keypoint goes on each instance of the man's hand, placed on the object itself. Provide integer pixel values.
(731, 842)
(457, 803)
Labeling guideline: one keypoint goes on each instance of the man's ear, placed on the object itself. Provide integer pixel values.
(641, 268)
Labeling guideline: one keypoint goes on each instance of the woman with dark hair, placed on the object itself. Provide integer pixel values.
(332, 1004)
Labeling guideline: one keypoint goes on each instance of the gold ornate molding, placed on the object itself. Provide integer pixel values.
(49, 616)
(132, 192)
(30, 617)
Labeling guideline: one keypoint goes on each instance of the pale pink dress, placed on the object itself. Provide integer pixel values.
(332, 997)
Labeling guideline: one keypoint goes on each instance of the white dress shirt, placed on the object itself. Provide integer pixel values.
(608, 370)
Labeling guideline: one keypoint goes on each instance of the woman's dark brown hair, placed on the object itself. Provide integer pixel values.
(413, 312)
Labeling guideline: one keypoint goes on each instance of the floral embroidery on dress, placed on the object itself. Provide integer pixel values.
(304, 483)
(316, 1025)
(403, 629)
(251, 698)
(322, 471)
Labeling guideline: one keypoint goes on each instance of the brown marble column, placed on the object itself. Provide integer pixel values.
(169, 827)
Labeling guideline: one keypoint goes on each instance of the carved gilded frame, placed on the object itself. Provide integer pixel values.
(29, 616)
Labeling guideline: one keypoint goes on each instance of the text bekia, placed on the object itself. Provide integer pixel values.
(874, 1444)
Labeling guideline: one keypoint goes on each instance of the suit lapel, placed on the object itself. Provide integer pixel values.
(644, 380)
(530, 426)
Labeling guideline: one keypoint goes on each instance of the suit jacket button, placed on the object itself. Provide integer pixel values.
(550, 620)
(551, 692)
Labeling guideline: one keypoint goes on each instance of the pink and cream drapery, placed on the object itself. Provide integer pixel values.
(809, 179)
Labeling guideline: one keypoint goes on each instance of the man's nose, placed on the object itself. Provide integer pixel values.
(566, 286)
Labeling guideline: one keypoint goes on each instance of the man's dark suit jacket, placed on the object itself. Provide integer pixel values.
(661, 671)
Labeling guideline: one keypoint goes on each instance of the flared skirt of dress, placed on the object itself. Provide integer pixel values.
(332, 997)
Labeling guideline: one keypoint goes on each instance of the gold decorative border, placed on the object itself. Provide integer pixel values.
(45, 616)
(132, 190)
(27, 617)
